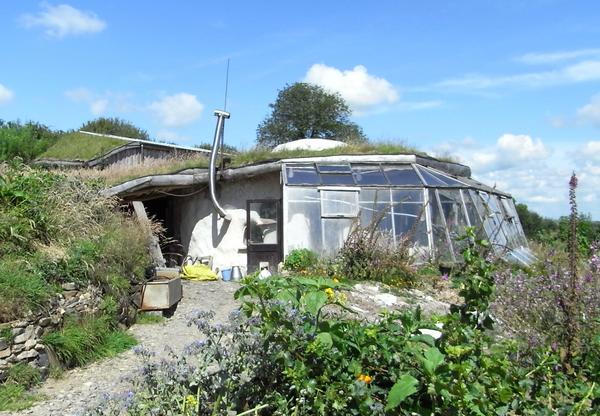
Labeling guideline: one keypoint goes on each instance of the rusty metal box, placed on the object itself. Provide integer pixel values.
(161, 294)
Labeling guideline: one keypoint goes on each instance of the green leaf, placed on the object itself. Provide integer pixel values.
(313, 301)
(424, 338)
(401, 390)
(433, 358)
(324, 338)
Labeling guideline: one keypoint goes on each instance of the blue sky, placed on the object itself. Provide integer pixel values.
(511, 88)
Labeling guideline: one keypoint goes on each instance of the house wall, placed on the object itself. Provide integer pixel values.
(204, 233)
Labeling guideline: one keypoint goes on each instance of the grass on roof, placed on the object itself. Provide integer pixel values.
(79, 146)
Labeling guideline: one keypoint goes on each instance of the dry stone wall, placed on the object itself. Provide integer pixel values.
(22, 341)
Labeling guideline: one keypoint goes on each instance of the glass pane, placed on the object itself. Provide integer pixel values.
(304, 174)
(473, 214)
(375, 206)
(335, 231)
(368, 175)
(402, 175)
(342, 168)
(263, 222)
(339, 203)
(492, 221)
(456, 219)
(520, 234)
(409, 216)
(337, 179)
(437, 179)
(441, 241)
(303, 219)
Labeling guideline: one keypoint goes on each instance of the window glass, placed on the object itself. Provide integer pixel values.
(369, 175)
(263, 222)
(302, 174)
(303, 219)
(441, 240)
(409, 216)
(473, 214)
(337, 179)
(335, 231)
(402, 175)
(340, 168)
(493, 221)
(339, 203)
(456, 219)
(509, 204)
(375, 207)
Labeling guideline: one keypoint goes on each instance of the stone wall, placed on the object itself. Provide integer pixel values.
(25, 342)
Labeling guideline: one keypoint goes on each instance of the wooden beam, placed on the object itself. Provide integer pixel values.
(153, 246)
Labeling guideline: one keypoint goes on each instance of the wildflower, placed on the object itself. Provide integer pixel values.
(365, 378)
(330, 293)
(444, 277)
(190, 401)
(336, 280)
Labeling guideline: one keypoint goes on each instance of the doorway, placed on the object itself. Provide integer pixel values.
(264, 233)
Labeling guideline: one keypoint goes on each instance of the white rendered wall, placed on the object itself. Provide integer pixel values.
(204, 233)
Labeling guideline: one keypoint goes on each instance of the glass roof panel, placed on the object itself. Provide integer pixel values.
(339, 168)
(434, 178)
(402, 175)
(337, 179)
(368, 175)
(302, 174)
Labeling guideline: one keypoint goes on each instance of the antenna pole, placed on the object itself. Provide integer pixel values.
(226, 85)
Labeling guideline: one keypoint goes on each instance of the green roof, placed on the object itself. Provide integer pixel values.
(78, 146)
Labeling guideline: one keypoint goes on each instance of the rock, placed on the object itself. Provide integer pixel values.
(17, 348)
(40, 347)
(27, 334)
(70, 286)
(3, 344)
(17, 331)
(70, 294)
(25, 355)
(30, 343)
(12, 359)
(45, 321)
(5, 353)
(38, 331)
(43, 360)
(20, 324)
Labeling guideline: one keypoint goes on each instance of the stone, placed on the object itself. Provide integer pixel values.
(43, 360)
(70, 294)
(20, 324)
(27, 334)
(40, 347)
(17, 348)
(30, 343)
(38, 331)
(17, 331)
(5, 353)
(69, 286)
(3, 344)
(25, 355)
(12, 359)
(45, 321)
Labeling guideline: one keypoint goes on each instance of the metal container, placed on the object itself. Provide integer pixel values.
(161, 294)
(236, 273)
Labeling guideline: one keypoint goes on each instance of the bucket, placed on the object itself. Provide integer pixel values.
(226, 275)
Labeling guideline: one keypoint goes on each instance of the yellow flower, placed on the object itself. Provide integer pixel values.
(330, 293)
(190, 400)
(335, 279)
(365, 378)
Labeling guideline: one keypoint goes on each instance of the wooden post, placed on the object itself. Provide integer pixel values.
(153, 246)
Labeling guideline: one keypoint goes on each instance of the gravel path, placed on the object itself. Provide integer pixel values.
(84, 387)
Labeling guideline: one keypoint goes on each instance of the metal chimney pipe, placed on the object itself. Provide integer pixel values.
(212, 174)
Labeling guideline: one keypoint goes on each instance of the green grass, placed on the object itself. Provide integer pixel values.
(21, 290)
(15, 397)
(79, 146)
(144, 318)
(82, 341)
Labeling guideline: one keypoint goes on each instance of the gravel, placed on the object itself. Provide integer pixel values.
(86, 387)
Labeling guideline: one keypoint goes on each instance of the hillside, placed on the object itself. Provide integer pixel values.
(79, 146)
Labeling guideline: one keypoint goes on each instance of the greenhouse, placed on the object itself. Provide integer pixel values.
(265, 210)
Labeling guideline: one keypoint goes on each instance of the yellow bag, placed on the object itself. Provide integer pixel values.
(197, 271)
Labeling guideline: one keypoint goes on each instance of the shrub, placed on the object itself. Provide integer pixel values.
(370, 254)
(25, 141)
(300, 260)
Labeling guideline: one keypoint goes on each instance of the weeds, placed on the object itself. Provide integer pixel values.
(145, 318)
(13, 392)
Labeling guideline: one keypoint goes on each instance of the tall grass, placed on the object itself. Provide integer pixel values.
(83, 340)
(13, 392)
(78, 146)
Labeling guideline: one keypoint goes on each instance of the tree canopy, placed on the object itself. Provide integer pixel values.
(304, 110)
(115, 126)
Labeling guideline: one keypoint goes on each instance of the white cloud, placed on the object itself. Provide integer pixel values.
(171, 136)
(63, 20)
(579, 72)
(590, 151)
(5, 94)
(356, 86)
(591, 111)
(178, 109)
(522, 147)
(99, 107)
(537, 58)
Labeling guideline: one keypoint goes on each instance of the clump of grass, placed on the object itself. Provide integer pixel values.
(78, 146)
(145, 318)
(13, 392)
(87, 339)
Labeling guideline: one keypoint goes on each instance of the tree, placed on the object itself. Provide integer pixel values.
(115, 126)
(26, 141)
(307, 111)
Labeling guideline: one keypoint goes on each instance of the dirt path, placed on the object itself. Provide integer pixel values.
(84, 387)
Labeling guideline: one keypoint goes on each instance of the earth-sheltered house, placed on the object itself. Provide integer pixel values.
(260, 212)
